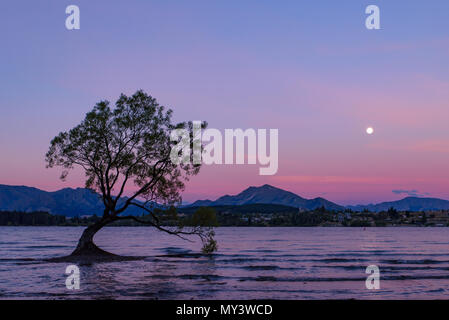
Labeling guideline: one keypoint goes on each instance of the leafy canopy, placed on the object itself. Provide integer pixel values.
(128, 144)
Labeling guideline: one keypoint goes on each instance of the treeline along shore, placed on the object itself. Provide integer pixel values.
(254, 215)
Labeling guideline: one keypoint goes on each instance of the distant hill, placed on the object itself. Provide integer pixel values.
(78, 202)
(246, 208)
(68, 202)
(406, 204)
(269, 195)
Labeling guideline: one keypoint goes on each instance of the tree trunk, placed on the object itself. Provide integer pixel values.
(86, 245)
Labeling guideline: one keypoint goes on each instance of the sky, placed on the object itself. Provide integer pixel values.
(308, 68)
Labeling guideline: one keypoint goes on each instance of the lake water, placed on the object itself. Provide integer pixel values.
(252, 263)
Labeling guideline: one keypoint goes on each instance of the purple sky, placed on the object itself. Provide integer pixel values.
(308, 68)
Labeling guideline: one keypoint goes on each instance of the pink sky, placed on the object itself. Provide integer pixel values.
(321, 82)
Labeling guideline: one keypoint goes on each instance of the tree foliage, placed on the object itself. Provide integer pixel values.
(128, 145)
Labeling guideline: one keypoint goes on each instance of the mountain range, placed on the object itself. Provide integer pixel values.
(272, 195)
(269, 195)
(68, 202)
(406, 204)
(80, 201)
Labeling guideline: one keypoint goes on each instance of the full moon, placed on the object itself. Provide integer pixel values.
(370, 130)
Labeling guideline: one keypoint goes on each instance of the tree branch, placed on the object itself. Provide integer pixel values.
(177, 233)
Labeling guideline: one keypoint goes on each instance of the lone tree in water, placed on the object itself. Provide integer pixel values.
(127, 145)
